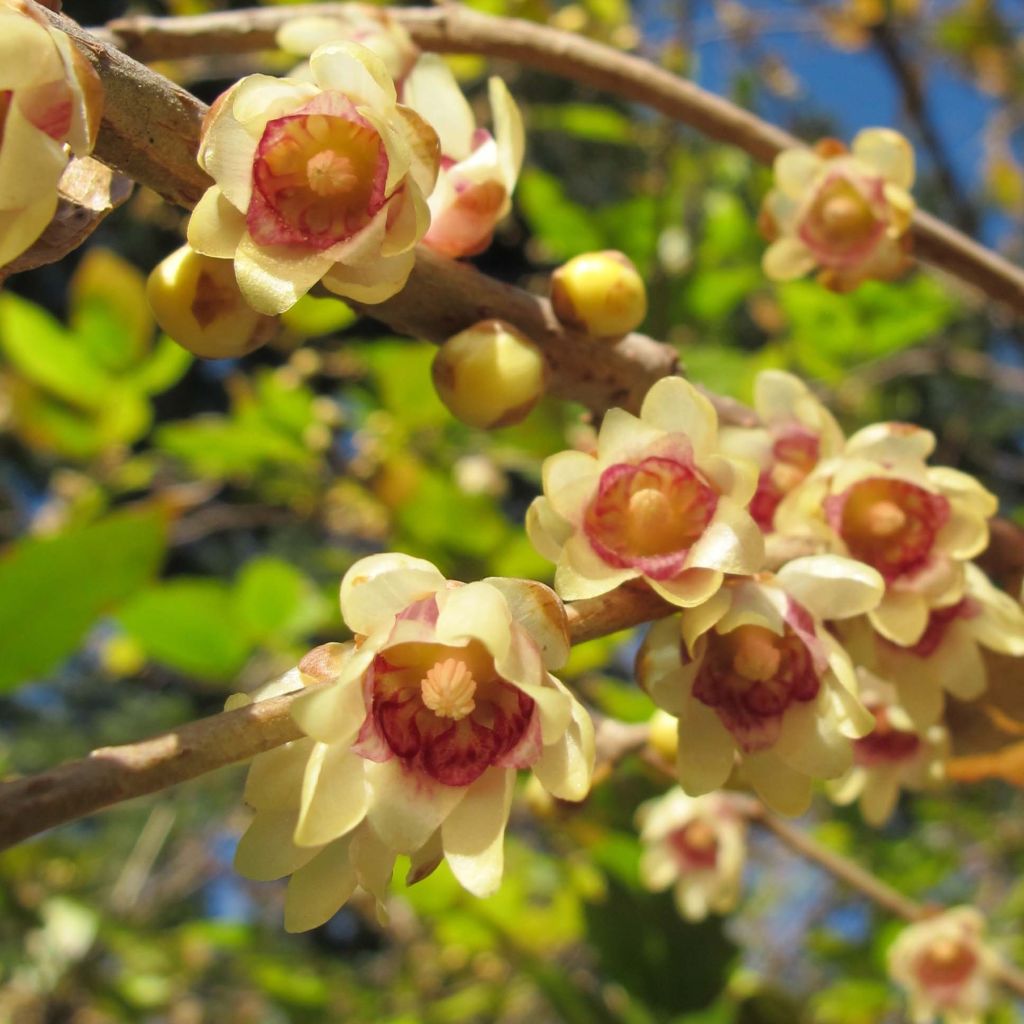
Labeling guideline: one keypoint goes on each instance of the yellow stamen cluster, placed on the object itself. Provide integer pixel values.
(448, 689)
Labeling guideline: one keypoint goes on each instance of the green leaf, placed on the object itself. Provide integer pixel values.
(272, 599)
(312, 317)
(53, 590)
(565, 228)
(164, 367)
(39, 347)
(188, 625)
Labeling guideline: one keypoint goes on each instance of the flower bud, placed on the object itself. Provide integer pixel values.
(196, 300)
(601, 293)
(490, 375)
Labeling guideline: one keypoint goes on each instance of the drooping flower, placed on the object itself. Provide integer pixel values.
(696, 845)
(795, 434)
(316, 181)
(945, 967)
(372, 27)
(657, 501)
(753, 672)
(479, 170)
(843, 213)
(895, 755)
(414, 743)
(947, 657)
(50, 106)
(879, 502)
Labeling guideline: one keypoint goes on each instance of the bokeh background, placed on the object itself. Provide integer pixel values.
(175, 530)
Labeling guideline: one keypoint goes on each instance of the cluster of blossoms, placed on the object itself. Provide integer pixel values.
(413, 742)
(50, 105)
(845, 213)
(331, 176)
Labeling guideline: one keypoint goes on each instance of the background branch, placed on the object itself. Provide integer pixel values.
(452, 28)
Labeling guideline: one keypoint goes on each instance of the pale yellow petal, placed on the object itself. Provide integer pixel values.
(371, 282)
(273, 279)
(786, 259)
(706, 749)
(732, 542)
(431, 90)
(901, 617)
(539, 611)
(796, 170)
(692, 587)
(570, 481)
(376, 588)
(319, 889)
(215, 227)
(275, 777)
(354, 71)
(547, 530)
(508, 131)
(581, 573)
(566, 767)
(676, 406)
(334, 713)
(473, 833)
(31, 163)
(832, 587)
(782, 788)
(809, 742)
(20, 228)
(334, 796)
(888, 153)
(266, 851)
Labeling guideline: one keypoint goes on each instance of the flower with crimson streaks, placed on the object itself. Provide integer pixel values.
(843, 213)
(948, 656)
(945, 967)
(414, 743)
(323, 180)
(657, 501)
(695, 845)
(795, 434)
(753, 672)
(50, 105)
(372, 27)
(478, 170)
(895, 755)
(879, 502)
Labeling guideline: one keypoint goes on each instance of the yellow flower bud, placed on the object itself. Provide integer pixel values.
(600, 293)
(490, 375)
(196, 300)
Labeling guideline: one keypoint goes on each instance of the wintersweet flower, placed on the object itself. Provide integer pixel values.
(478, 170)
(894, 756)
(916, 524)
(697, 846)
(315, 181)
(657, 501)
(843, 213)
(372, 27)
(753, 672)
(414, 742)
(796, 433)
(948, 657)
(50, 107)
(944, 967)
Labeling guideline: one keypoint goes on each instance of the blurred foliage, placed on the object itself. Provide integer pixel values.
(175, 530)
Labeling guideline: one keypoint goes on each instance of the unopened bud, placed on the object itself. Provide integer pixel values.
(196, 300)
(601, 293)
(490, 375)
(664, 735)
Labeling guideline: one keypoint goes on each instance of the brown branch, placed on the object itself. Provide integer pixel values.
(152, 134)
(452, 28)
(112, 775)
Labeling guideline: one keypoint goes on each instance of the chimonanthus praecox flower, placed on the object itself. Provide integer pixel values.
(753, 671)
(948, 656)
(696, 845)
(478, 170)
(895, 755)
(414, 743)
(945, 967)
(795, 434)
(657, 501)
(845, 213)
(323, 180)
(372, 27)
(879, 502)
(50, 107)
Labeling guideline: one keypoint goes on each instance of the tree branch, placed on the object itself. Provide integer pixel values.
(452, 28)
(112, 775)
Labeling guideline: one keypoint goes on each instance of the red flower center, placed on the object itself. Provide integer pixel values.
(648, 515)
(750, 676)
(885, 744)
(845, 220)
(795, 453)
(695, 846)
(946, 962)
(889, 524)
(445, 711)
(318, 176)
